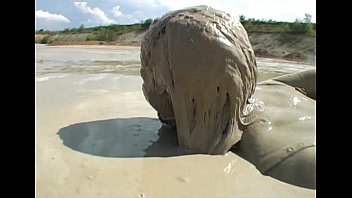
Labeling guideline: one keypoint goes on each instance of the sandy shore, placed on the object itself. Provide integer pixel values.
(96, 136)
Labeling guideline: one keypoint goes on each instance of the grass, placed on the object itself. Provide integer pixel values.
(280, 27)
(117, 29)
(297, 27)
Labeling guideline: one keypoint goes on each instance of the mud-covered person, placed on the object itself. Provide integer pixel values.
(200, 73)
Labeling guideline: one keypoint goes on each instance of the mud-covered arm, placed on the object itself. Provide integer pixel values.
(304, 81)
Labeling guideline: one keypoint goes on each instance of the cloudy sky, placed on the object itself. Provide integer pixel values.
(61, 14)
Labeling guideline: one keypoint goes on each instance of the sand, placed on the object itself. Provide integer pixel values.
(86, 120)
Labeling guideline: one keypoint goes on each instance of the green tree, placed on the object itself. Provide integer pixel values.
(297, 26)
(308, 24)
(147, 23)
(81, 28)
(242, 18)
(307, 18)
(74, 30)
(303, 26)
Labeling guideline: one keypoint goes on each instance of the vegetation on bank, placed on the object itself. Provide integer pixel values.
(99, 33)
(110, 32)
(300, 26)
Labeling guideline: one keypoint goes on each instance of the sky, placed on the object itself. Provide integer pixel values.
(61, 14)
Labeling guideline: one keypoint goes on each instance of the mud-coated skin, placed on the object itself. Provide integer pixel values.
(199, 68)
(304, 81)
(280, 141)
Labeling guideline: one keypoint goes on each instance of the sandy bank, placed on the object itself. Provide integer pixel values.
(297, 47)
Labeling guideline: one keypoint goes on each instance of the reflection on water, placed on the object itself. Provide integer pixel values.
(126, 60)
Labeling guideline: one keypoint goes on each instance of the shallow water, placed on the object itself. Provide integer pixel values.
(96, 135)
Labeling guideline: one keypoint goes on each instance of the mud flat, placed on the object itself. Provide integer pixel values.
(96, 135)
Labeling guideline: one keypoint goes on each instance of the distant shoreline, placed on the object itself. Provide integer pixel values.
(101, 43)
(286, 46)
(112, 44)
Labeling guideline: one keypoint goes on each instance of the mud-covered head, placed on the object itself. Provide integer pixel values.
(198, 66)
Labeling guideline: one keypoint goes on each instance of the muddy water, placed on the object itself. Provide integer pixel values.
(96, 136)
(125, 60)
(269, 68)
